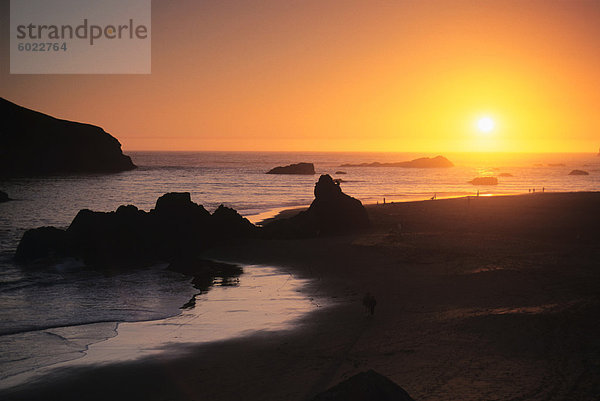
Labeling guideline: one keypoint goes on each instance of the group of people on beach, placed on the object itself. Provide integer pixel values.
(434, 197)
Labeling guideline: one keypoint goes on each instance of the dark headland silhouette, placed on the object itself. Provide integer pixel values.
(33, 143)
(423, 162)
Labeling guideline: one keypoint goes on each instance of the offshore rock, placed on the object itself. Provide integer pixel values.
(484, 181)
(579, 172)
(298, 168)
(423, 162)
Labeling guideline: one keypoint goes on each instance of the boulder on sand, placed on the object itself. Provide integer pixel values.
(484, 181)
(331, 212)
(579, 172)
(365, 386)
(298, 168)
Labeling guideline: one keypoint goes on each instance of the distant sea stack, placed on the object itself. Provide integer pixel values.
(298, 168)
(579, 172)
(423, 162)
(33, 143)
(484, 181)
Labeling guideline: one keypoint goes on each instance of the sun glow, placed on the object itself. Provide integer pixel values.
(485, 125)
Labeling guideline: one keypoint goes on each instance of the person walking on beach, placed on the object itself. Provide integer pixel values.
(369, 303)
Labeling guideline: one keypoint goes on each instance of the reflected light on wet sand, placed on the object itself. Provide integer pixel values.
(265, 299)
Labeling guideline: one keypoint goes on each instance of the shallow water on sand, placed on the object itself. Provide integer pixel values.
(264, 299)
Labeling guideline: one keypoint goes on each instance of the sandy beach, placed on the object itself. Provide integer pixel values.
(488, 298)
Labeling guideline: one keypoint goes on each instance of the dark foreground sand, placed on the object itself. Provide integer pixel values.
(481, 299)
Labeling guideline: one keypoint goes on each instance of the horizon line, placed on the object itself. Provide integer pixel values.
(358, 151)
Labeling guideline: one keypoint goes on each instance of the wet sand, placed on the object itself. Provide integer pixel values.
(490, 298)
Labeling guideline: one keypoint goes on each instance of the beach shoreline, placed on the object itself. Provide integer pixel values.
(477, 298)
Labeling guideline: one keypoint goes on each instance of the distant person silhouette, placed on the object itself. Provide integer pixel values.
(369, 303)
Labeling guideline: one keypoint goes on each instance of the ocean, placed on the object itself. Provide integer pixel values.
(53, 314)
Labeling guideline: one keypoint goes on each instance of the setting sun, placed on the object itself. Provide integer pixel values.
(485, 125)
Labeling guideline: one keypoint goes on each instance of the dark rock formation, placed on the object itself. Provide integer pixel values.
(505, 175)
(331, 212)
(579, 172)
(228, 223)
(340, 172)
(43, 242)
(125, 237)
(180, 223)
(298, 168)
(365, 386)
(32, 143)
(4, 197)
(132, 237)
(423, 162)
(484, 181)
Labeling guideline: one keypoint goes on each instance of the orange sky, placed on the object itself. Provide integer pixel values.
(343, 75)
